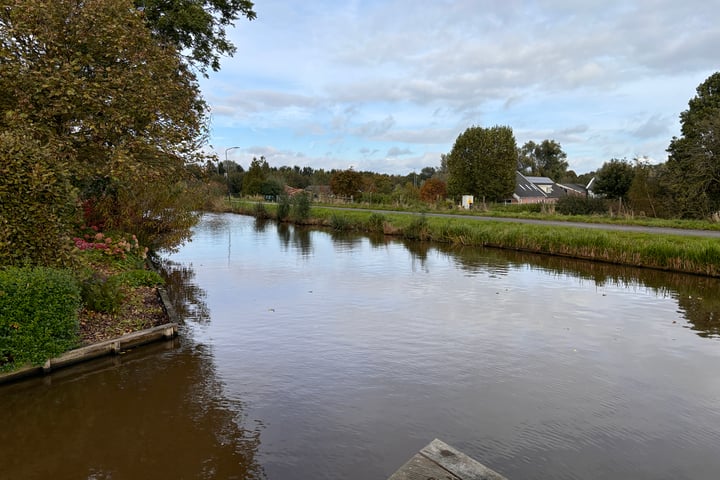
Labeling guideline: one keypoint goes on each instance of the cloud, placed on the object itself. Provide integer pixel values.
(355, 79)
(374, 128)
(398, 152)
(654, 126)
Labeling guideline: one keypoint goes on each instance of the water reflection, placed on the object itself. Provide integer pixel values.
(260, 224)
(345, 241)
(696, 296)
(151, 414)
(184, 293)
(295, 237)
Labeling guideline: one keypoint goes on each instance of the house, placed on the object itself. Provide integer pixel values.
(536, 190)
(292, 191)
(526, 191)
(574, 189)
(530, 189)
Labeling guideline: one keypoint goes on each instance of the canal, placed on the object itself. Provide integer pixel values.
(307, 354)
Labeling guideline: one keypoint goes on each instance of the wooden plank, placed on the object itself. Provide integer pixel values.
(421, 468)
(457, 463)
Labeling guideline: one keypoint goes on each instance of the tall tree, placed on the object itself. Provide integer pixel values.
(91, 82)
(694, 158)
(347, 183)
(196, 26)
(483, 162)
(614, 179)
(645, 193)
(546, 159)
(433, 190)
(255, 176)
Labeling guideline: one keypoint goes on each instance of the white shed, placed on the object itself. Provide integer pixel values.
(467, 201)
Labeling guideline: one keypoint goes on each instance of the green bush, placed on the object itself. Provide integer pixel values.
(38, 315)
(418, 229)
(259, 211)
(101, 294)
(572, 205)
(140, 278)
(301, 207)
(376, 222)
(283, 207)
(519, 208)
(339, 223)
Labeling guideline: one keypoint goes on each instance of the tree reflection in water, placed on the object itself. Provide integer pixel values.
(697, 296)
(150, 414)
(186, 296)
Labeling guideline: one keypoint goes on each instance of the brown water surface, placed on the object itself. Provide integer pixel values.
(311, 355)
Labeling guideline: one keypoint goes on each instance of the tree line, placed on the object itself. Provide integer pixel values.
(483, 162)
(103, 124)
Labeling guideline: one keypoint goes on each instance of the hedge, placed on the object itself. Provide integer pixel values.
(38, 315)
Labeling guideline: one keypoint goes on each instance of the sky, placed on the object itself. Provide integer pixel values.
(387, 86)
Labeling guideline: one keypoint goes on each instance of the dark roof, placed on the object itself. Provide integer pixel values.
(576, 187)
(541, 180)
(524, 188)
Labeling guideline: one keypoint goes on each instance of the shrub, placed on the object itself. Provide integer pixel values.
(283, 207)
(103, 294)
(339, 223)
(259, 211)
(519, 208)
(140, 278)
(572, 205)
(376, 222)
(114, 245)
(301, 206)
(38, 315)
(418, 229)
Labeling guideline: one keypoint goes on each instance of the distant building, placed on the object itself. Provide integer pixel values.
(544, 190)
(536, 190)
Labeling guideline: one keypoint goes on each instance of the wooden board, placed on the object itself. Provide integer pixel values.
(440, 461)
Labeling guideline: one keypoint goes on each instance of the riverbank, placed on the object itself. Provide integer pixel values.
(651, 249)
(49, 312)
(146, 316)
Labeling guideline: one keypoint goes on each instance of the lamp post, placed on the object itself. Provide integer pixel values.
(227, 177)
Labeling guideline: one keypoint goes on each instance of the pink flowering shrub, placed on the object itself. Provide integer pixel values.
(118, 247)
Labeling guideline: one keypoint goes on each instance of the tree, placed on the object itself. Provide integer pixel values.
(37, 201)
(483, 162)
(90, 82)
(196, 26)
(346, 183)
(546, 159)
(645, 193)
(433, 190)
(255, 176)
(694, 158)
(614, 179)
(426, 172)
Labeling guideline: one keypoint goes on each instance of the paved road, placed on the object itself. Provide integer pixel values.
(555, 223)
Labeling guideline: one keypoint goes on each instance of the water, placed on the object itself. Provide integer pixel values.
(312, 355)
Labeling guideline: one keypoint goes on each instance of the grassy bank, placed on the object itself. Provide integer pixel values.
(666, 252)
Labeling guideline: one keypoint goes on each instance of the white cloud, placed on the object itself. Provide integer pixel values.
(347, 78)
